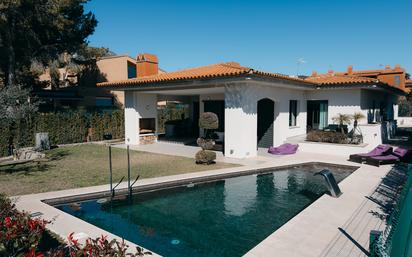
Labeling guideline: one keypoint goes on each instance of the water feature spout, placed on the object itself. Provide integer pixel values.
(330, 182)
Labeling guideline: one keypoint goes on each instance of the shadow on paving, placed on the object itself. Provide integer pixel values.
(352, 239)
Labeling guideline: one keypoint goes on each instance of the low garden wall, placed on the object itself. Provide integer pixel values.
(333, 149)
(404, 121)
(63, 128)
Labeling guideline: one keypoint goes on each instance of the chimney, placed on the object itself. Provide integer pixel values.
(330, 72)
(314, 73)
(147, 65)
(398, 67)
(387, 67)
(350, 70)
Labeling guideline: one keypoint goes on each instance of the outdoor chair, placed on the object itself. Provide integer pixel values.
(392, 158)
(377, 151)
(283, 149)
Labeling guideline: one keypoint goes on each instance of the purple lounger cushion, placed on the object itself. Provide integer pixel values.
(283, 149)
(379, 150)
(394, 157)
(400, 152)
(389, 157)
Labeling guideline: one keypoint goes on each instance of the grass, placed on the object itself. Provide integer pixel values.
(87, 165)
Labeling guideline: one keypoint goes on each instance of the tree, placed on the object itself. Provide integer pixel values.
(40, 30)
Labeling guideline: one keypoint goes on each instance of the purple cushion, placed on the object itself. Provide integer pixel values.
(379, 150)
(400, 152)
(283, 149)
(386, 157)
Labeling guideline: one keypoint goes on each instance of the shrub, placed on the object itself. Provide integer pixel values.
(19, 234)
(102, 247)
(205, 157)
(327, 137)
(63, 128)
(208, 120)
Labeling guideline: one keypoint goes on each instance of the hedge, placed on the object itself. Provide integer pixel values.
(63, 128)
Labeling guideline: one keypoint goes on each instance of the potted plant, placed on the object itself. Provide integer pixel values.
(357, 133)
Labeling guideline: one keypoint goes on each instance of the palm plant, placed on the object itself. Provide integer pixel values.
(356, 117)
(357, 133)
(342, 119)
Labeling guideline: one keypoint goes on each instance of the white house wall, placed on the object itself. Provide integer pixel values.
(241, 116)
(131, 121)
(345, 101)
(138, 105)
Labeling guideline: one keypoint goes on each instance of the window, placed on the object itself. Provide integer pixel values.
(104, 101)
(397, 81)
(293, 112)
(131, 70)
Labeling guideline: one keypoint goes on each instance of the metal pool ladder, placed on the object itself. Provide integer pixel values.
(330, 182)
(129, 185)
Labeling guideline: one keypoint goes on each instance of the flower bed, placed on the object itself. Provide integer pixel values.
(21, 235)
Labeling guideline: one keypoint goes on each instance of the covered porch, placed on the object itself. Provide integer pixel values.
(172, 115)
(245, 124)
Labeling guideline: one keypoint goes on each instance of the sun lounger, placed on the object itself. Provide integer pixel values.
(377, 151)
(392, 158)
(283, 149)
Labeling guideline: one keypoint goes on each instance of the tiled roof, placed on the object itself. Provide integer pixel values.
(229, 69)
(334, 79)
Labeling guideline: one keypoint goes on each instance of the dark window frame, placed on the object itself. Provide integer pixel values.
(293, 113)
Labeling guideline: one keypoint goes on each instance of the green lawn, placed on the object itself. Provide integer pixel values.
(87, 165)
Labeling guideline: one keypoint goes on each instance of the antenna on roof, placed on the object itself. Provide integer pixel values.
(299, 62)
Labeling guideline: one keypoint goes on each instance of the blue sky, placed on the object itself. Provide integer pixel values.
(266, 35)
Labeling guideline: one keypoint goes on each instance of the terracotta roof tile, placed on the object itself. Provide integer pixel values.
(335, 79)
(228, 69)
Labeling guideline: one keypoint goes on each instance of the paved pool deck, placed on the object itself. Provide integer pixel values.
(313, 232)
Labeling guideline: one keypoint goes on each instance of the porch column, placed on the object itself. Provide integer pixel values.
(137, 106)
(131, 120)
(240, 122)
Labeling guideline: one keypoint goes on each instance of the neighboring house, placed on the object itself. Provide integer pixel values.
(81, 91)
(260, 109)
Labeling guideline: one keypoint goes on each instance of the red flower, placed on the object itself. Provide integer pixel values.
(32, 224)
(7, 221)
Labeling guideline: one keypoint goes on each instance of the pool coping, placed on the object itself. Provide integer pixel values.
(65, 223)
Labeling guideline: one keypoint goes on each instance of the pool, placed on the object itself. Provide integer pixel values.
(220, 218)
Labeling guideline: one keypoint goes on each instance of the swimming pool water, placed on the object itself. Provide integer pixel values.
(224, 218)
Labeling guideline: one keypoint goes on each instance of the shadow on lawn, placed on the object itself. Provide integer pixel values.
(40, 165)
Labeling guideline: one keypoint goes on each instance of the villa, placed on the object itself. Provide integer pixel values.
(260, 109)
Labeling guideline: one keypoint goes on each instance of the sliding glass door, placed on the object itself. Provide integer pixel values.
(317, 114)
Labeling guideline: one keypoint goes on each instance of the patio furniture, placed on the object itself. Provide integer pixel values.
(392, 158)
(377, 151)
(283, 149)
